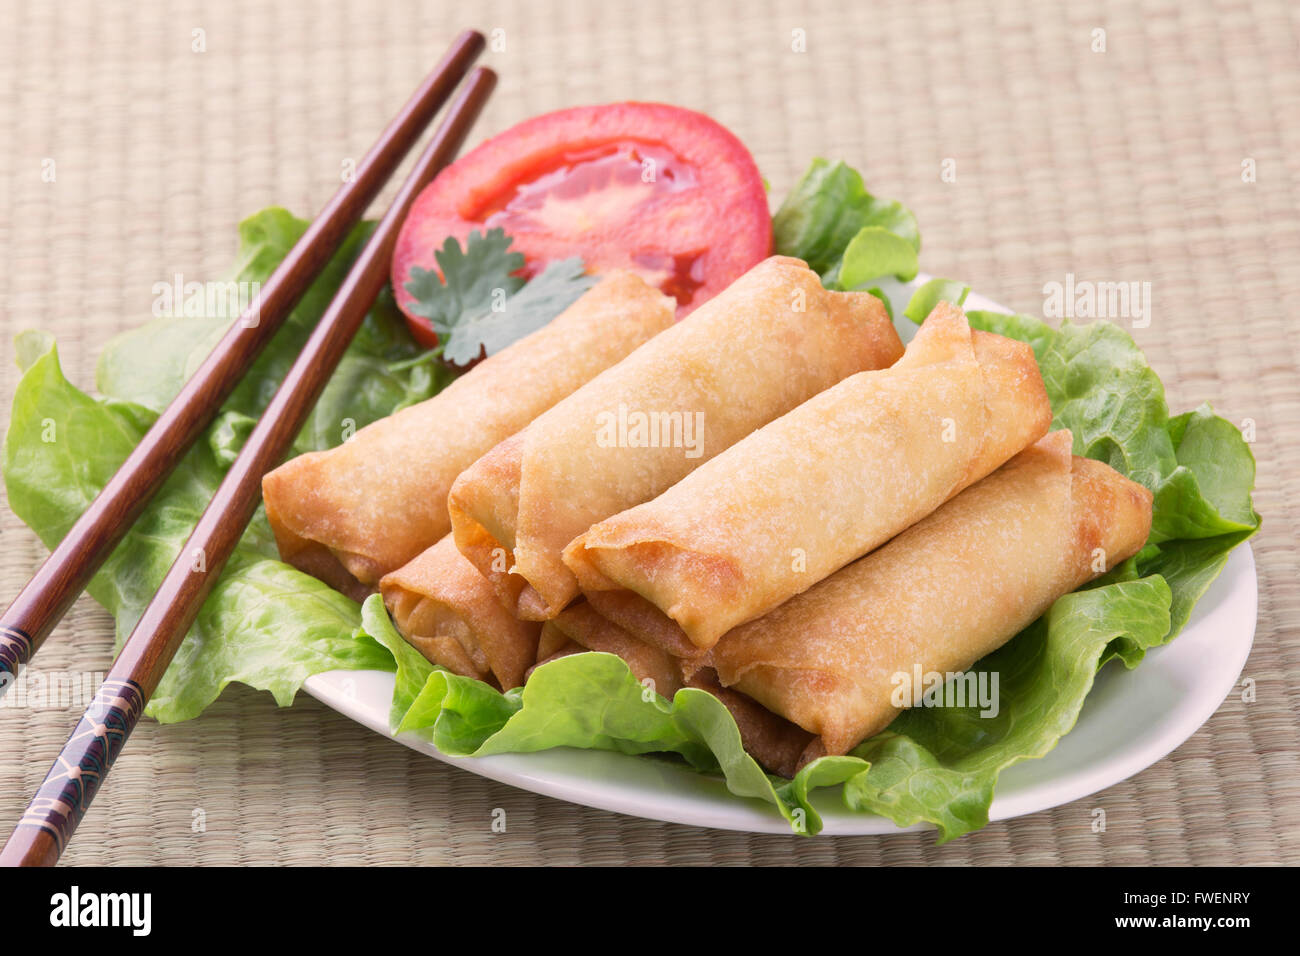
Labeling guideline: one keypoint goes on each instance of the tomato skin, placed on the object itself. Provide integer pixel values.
(421, 331)
(691, 237)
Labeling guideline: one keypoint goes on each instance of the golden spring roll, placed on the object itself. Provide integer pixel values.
(767, 343)
(580, 624)
(553, 643)
(646, 622)
(352, 514)
(773, 741)
(952, 588)
(450, 613)
(824, 484)
(563, 648)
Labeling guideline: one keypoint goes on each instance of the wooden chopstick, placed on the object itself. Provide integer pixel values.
(52, 816)
(65, 573)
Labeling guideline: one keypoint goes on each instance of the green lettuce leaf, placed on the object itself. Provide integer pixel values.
(1189, 567)
(1101, 388)
(412, 668)
(930, 294)
(1199, 468)
(148, 365)
(829, 208)
(873, 253)
(884, 299)
(1207, 493)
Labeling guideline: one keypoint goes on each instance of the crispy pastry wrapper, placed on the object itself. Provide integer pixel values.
(450, 614)
(647, 623)
(941, 595)
(354, 513)
(822, 485)
(767, 343)
(581, 625)
(773, 741)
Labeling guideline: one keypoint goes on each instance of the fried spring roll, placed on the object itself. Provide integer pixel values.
(952, 588)
(769, 342)
(563, 648)
(352, 514)
(647, 623)
(554, 643)
(581, 624)
(450, 614)
(824, 484)
(771, 740)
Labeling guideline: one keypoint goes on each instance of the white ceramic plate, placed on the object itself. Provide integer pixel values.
(1129, 721)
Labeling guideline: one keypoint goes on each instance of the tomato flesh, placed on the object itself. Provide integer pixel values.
(660, 190)
(617, 173)
(591, 194)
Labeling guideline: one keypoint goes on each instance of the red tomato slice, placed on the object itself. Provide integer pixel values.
(661, 190)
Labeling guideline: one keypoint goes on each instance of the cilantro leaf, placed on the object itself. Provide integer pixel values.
(470, 279)
(545, 296)
(479, 305)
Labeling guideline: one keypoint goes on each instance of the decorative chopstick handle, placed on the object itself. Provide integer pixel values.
(73, 781)
(16, 648)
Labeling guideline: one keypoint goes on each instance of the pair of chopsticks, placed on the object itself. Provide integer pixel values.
(53, 814)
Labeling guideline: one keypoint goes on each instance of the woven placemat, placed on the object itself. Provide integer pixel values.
(1116, 165)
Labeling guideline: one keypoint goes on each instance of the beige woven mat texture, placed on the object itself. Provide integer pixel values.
(1117, 165)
